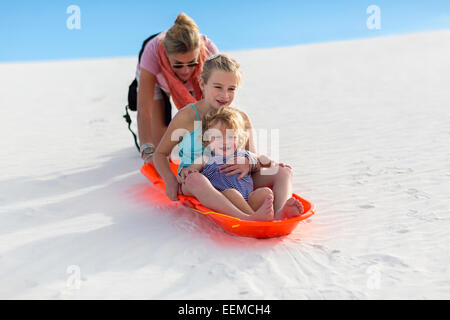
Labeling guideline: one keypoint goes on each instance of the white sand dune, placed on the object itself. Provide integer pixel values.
(365, 124)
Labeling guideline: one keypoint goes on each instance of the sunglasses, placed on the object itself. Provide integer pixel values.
(181, 65)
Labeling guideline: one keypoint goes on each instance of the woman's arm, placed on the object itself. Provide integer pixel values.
(145, 106)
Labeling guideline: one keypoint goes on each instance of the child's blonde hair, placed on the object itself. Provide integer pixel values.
(220, 62)
(230, 119)
(183, 36)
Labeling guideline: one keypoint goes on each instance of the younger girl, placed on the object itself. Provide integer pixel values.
(224, 137)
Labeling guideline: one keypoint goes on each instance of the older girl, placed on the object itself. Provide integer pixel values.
(219, 80)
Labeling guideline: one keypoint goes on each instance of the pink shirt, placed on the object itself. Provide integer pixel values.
(149, 60)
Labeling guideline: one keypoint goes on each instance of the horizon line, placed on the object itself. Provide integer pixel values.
(344, 39)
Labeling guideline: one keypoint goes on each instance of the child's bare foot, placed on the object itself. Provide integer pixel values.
(292, 208)
(265, 212)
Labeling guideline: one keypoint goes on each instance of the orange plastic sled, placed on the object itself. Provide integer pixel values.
(254, 229)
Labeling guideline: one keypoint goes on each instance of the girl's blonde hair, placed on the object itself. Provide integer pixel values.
(220, 62)
(183, 36)
(230, 119)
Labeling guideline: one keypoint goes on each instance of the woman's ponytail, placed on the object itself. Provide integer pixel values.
(183, 36)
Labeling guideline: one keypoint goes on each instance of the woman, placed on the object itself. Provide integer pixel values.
(169, 66)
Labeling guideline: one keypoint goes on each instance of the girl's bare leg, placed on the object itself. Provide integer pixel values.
(256, 197)
(264, 210)
(238, 200)
(256, 200)
(285, 206)
(199, 186)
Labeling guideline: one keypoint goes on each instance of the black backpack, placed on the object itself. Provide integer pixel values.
(132, 98)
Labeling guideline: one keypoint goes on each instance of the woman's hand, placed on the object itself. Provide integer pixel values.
(239, 165)
(172, 190)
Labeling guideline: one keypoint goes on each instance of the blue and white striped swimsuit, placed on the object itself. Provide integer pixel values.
(221, 182)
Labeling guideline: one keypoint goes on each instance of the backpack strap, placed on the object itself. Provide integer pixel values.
(128, 120)
(132, 94)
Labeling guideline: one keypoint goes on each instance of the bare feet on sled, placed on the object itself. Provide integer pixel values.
(265, 212)
(292, 208)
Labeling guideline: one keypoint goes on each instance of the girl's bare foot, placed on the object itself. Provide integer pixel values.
(292, 208)
(265, 212)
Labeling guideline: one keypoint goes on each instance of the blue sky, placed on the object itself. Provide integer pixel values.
(37, 30)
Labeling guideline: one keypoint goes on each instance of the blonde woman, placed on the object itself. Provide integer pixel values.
(170, 65)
